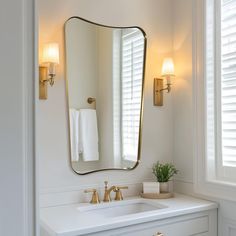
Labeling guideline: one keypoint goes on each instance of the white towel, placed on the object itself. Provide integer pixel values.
(89, 134)
(74, 134)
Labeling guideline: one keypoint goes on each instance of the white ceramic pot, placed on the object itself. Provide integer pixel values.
(164, 187)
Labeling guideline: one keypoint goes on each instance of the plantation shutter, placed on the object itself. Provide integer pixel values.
(228, 81)
(131, 90)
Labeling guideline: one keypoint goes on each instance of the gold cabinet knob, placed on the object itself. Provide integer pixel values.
(158, 234)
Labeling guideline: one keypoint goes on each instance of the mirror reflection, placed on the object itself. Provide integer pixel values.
(105, 73)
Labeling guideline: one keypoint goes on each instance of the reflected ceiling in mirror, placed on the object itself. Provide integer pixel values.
(105, 77)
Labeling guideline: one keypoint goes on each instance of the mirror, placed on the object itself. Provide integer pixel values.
(105, 76)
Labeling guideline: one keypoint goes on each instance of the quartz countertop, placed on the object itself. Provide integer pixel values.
(67, 220)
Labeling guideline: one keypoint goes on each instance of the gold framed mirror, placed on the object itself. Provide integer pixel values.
(105, 68)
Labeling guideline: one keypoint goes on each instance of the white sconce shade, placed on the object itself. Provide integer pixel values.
(50, 53)
(47, 73)
(168, 71)
(168, 67)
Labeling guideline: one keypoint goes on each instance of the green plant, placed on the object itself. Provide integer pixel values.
(164, 172)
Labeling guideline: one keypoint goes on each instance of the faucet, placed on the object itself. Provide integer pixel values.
(107, 197)
(116, 189)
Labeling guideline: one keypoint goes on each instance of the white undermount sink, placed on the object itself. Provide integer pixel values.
(121, 208)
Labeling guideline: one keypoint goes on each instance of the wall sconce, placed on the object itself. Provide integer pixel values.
(47, 71)
(167, 72)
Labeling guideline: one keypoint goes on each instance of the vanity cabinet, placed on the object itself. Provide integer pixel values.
(197, 224)
(178, 216)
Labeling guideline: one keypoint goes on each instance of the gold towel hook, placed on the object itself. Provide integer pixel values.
(91, 100)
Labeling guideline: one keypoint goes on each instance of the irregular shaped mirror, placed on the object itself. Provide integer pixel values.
(105, 76)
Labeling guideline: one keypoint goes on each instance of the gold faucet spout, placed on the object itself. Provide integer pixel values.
(107, 197)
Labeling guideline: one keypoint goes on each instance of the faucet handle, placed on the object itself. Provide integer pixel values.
(122, 187)
(90, 190)
(95, 196)
(119, 196)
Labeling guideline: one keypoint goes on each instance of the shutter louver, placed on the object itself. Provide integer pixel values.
(228, 81)
(132, 74)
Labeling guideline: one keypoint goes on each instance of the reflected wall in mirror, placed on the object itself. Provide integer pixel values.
(105, 76)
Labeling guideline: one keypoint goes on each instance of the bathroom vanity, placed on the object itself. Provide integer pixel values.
(178, 216)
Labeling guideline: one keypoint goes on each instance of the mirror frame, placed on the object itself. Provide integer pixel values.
(142, 97)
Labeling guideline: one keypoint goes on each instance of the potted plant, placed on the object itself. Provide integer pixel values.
(163, 173)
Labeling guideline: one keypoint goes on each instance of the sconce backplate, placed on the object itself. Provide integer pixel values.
(158, 92)
(43, 90)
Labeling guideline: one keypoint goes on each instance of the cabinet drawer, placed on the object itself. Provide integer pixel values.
(172, 227)
(183, 228)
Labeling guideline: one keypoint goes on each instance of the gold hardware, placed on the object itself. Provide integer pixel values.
(44, 78)
(74, 168)
(158, 92)
(43, 73)
(91, 100)
(119, 196)
(167, 73)
(158, 234)
(47, 73)
(95, 197)
(107, 197)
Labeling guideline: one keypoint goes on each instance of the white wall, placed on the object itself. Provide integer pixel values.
(56, 178)
(182, 89)
(82, 69)
(16, 126)
(105, 97)
(183, 112)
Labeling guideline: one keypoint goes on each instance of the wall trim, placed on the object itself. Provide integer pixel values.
(28, 134)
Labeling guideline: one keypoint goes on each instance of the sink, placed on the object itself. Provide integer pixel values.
(121, 208)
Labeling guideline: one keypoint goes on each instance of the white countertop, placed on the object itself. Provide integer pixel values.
(67, 220)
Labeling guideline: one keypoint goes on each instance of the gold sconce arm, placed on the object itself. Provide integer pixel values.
(158, 91)
(44, 78)
(168, 88)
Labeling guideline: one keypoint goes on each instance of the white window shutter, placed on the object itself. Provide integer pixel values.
(228, 81)
(131, 90)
